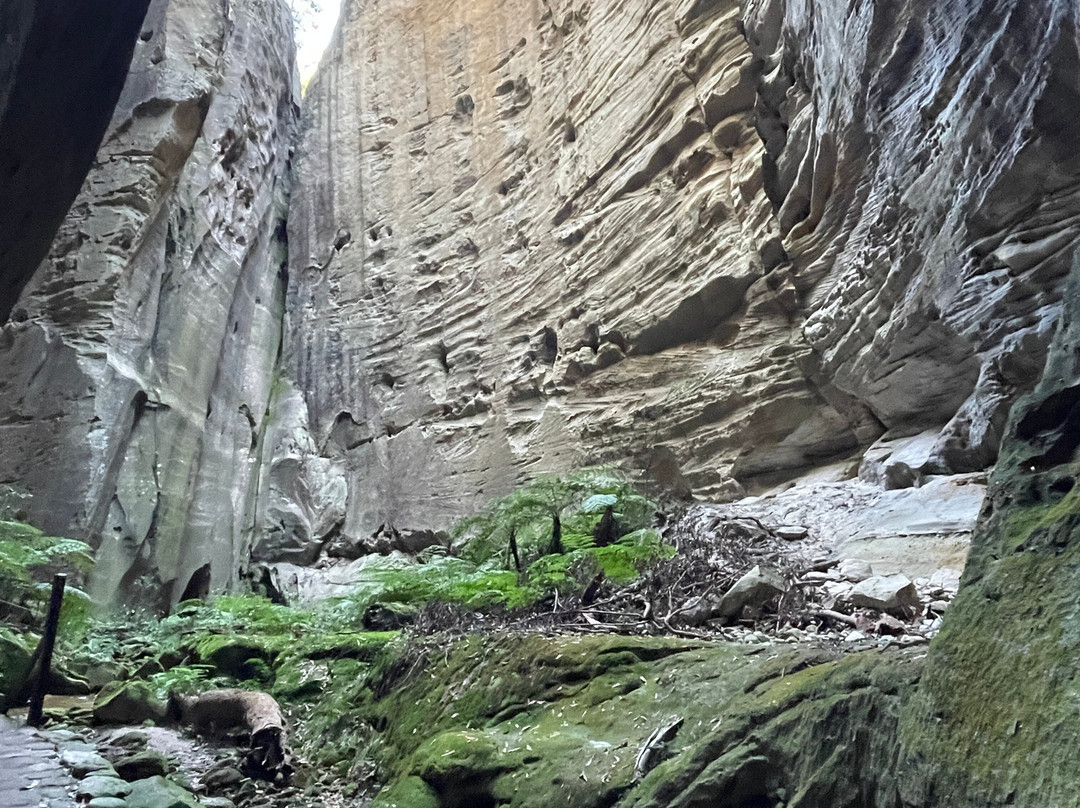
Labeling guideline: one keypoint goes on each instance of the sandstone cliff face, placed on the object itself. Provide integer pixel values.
(140, 359)
(719, 244)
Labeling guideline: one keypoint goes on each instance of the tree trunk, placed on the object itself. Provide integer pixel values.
(608, 530)
(556, 547)
(514, 550)
(216, 712)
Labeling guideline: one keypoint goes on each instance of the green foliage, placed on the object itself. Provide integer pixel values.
(25, 552)
(183, 679)
(24, 548)
(578, 500)
(456, 580)
(483, 576)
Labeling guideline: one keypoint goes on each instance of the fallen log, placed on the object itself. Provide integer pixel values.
(219, 713)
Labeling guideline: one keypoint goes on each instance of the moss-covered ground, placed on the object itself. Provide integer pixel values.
(540, 721)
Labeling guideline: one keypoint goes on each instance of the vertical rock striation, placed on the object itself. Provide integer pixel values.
(720, 243)
(142, 354)
(924, 170)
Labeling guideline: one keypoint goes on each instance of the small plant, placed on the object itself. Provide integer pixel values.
(25, 552)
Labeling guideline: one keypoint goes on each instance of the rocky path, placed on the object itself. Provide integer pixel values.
(30, 772)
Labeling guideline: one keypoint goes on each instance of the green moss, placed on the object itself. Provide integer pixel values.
(453, 758)
(409, 792)
(1002, 686)
(14, 664)
(544, 721)
(1022, 523)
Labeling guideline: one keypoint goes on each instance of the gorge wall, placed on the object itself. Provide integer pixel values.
(139, 360)
(720, 244)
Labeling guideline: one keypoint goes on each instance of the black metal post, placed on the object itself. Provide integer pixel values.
(48, 640)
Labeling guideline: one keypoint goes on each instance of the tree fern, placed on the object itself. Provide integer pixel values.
(552, 514)
(24, 551)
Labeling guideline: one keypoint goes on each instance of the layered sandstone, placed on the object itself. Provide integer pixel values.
(718, 244)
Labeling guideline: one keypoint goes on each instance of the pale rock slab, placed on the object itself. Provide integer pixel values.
(886, 593)
(913, 531)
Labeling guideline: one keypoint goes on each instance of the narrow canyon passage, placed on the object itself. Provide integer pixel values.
(533, 402)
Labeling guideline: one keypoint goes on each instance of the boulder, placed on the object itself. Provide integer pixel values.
(14, 664)
(97, 785)
(82, 762)
(142, 765)
(222, 777)
(855, 570)
(157, 792)
(894, 594)
(107, 802)
(755, 590)
(128, 703)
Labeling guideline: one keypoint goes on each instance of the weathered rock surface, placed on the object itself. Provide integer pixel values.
(720, 244)
(998, 698)
(137, 376)
(914, 531)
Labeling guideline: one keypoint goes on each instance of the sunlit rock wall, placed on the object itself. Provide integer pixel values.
(719, 244)
(138, 363)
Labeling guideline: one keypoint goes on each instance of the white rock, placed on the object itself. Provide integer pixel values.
(887, 593)
(791, 532)
(854, 569)
(947, 579)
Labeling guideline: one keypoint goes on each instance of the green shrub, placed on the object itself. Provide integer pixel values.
(486, 573)
(25, 553)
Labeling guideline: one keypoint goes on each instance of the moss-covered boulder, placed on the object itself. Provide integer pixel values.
(157, 792)
(14, 665)
(238, 657)
(141, 765)
(531, 722)
(128, 703)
